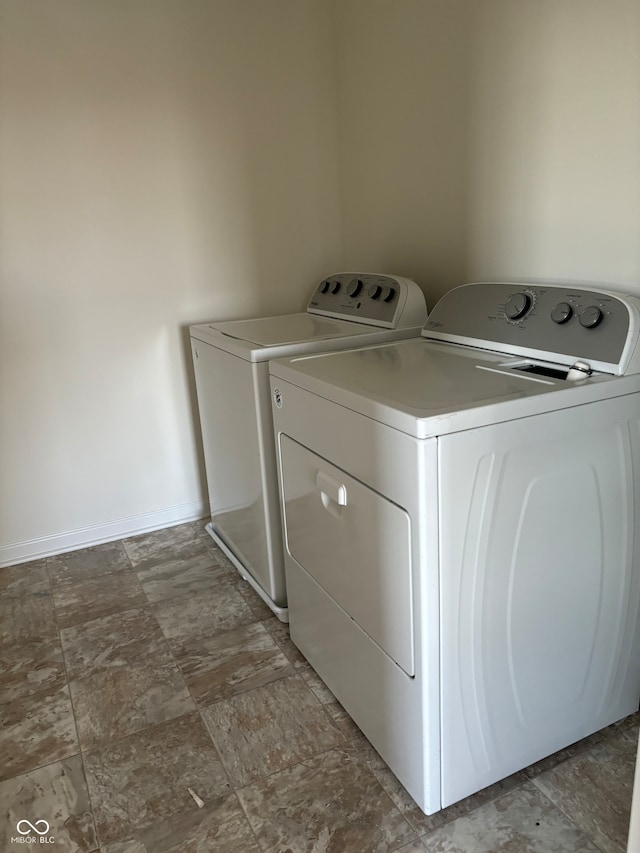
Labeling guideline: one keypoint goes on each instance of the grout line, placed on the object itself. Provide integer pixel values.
(247, 818)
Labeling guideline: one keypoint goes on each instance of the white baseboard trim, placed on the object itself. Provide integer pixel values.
(84, 537)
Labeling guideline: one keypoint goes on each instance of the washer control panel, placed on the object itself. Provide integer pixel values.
(552, 320)
(374, 299)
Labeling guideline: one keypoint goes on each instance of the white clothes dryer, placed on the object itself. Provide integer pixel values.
(232, 380)
(462, 529)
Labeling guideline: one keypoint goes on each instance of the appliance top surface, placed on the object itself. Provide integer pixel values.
(475, 359)
(287, 329)
(344, 306)
(428, 388)
(417, 376)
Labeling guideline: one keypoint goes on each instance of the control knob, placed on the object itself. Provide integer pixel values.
(324, 287)
(562, 312)
(590, 317)
(354, 287)
(374, 291)
(335, 286)
(518, 305)
(387, 293)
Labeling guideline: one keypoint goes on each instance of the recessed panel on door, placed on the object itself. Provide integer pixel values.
(355, 543)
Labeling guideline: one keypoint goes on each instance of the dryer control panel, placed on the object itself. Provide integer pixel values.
(557, 323)
(375, 299)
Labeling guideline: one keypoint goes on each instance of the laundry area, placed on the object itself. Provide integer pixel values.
(320, 382)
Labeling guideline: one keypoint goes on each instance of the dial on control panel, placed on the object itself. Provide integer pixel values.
(561, 312)
(329, 286)
(354, 287)
(590, 317)
(387, 293)
(518, 305)
(382, 292)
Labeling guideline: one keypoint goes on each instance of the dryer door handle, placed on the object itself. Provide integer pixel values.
(331, 488)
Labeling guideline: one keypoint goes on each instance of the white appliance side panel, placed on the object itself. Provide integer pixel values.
(237, 435)
(540, 591)
(354, 543)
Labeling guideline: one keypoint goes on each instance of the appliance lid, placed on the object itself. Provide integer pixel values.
(288, 329)
(429, 388)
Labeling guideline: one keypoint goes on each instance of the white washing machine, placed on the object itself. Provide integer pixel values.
(232, 381)
(462, 530)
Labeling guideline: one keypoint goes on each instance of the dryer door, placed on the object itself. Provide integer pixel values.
(354, 543)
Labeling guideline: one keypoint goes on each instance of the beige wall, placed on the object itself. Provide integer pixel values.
(161, 163)
(402, 78)
(491, 138)
(553, 156)
(166, 162)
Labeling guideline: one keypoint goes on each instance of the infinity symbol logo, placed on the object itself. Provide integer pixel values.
(32, 827)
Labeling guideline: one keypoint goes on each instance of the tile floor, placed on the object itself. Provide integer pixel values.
(151, 702)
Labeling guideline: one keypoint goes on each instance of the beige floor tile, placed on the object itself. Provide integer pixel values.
(173, 543)
(117, 702)
(36, 730)
(257, 606)
(141, 647)
(220, 826)
(342, 720)
(594, 787)
(190, 618)
(127, 638)
(30, 667)
(26, 618)
(189, 574)
(24, 579)
(219, 555)
(416, 846)
(330, 802)
(81, 601)
(280, 633)
(56, 794)
(329, 702)
(143, 780)
(231, 662)
(315, 684)
(88, 563)
(122, 676)
(269, 728)
(632, 721)
(523, 821)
